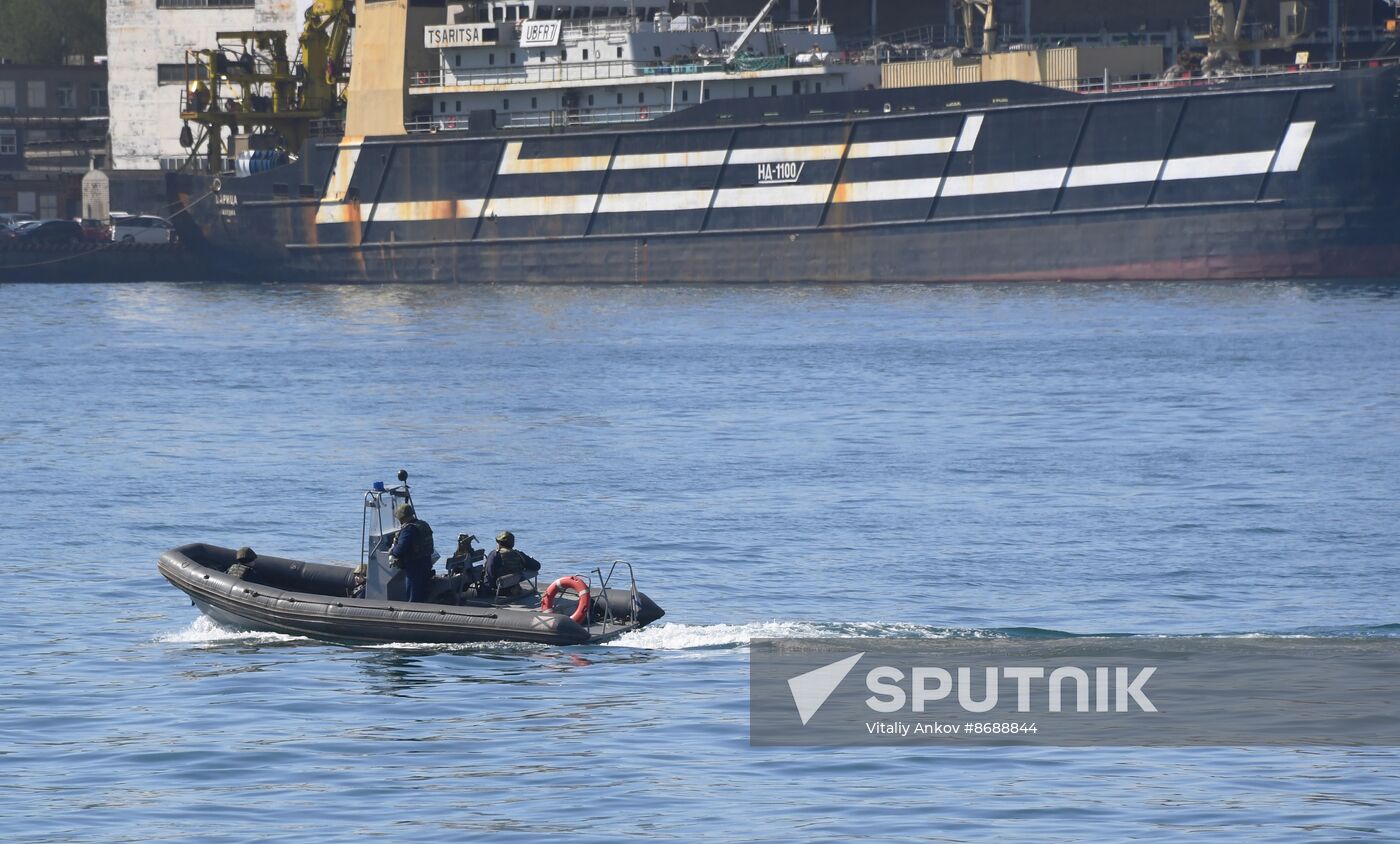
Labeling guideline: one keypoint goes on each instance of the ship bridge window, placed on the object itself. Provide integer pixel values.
(490, 58)
(656, 51)
(619, 52)
(544, 12)
(775, 91)
(457, 60)
(750, 90)
(619, 98)
(512, 58)
(618, 12)
(600, 11)
(585, 54)
(442, 106)
(641, 96)
(590, 99)
(685, 95)
(707, 93)
(505, 105)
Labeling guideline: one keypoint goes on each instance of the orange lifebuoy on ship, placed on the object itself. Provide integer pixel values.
(642, 113)
(452, 123)
(575, 583)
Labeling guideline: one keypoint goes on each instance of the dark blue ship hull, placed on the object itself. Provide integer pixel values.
(1285, 177)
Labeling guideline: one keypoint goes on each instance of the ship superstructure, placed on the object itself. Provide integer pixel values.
(532, 64)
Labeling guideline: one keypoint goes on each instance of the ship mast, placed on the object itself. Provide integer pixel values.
(970, 10)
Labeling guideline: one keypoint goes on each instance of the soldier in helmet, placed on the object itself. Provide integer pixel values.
(505, 559)
(413, 552)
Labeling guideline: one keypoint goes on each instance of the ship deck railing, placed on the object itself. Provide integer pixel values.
(562, 118)
(586, 72)
(600, 28)
(425, 124)
(1097, 85)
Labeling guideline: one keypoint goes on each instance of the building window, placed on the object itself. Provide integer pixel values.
(37, 94)
(67, 97)
(9, 142)
(48, 205)
(174, 74)
(97, 97)
(7, 93)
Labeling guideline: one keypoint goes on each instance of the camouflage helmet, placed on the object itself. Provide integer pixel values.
(404, 512)
(505, 538)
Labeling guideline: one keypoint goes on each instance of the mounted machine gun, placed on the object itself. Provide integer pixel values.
(247, 84)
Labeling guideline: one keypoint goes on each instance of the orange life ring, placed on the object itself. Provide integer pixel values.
(452, 123)
(575, 583)
(642, 113)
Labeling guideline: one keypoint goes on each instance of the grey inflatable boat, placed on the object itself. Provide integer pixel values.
(318, 600)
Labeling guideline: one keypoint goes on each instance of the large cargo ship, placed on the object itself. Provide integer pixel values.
(549, 144)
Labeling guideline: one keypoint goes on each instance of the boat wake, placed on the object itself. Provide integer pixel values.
(205, 631)
(669, 637)
(685, 637)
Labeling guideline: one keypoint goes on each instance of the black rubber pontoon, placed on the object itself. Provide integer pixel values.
(300, 598)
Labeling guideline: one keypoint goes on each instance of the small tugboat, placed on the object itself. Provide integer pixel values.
(367, 604)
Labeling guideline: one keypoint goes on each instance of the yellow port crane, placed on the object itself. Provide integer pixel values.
(246, 84)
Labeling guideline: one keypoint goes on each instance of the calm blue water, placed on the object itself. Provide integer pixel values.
(899, 461)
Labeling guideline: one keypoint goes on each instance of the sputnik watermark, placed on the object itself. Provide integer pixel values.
(1076, 691)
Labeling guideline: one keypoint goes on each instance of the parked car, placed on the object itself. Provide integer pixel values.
(50, 231)
(142, 229)
(95, 230)
(10, 221)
